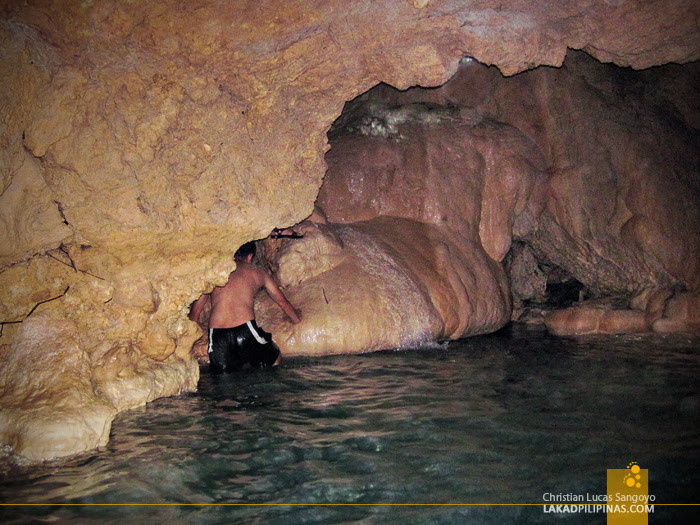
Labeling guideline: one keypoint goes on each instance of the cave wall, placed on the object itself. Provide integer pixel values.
(435, 165)
(591, 168)
(142, 143)
(594, 166)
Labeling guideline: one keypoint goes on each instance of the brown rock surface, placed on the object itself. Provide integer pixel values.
(620, 208)
(593, 167)
(143, 142)
(681, 314)
(553, 158)
(663, 312)
(50, 407)
(456, 186)
(386, 282)
(585, 321)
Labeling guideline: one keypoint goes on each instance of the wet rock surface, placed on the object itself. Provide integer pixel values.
(386, 282)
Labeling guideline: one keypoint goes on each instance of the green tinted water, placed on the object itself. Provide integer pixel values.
(503, 418)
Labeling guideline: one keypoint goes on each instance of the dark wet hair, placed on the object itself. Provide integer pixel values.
(245, 250)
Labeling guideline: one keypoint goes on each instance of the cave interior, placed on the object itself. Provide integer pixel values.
(550, 187)
(558, 251)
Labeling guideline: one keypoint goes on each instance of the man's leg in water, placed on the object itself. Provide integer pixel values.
(225, 349)
(257, 347)
(270, 349)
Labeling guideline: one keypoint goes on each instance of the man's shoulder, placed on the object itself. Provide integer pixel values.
(250, 271)
(249, 267)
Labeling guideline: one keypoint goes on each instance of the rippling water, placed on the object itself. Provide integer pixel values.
(494, 419)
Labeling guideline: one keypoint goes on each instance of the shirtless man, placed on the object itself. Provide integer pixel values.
(235, 340)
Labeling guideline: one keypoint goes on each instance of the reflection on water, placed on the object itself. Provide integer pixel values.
(494, 419)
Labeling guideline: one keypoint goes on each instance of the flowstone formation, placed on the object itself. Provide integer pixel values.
(387, 282)
(143, 142)
(439, 182)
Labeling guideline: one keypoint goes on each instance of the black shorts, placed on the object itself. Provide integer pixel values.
(241, 347)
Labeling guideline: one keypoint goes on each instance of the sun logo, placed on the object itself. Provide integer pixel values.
(633, 477)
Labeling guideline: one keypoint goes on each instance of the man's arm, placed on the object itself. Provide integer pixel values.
(197, 307)
(281, 300)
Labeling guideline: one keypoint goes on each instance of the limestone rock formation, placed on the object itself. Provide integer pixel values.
(143, 142)
(597, 182)
(462, 160)
(387, 282)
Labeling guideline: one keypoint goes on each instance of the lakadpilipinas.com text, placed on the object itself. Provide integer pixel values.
(598, 503)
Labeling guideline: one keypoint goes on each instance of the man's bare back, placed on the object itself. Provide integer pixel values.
(232, 304)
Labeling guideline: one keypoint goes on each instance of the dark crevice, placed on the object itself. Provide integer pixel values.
(28, 149)
(538, 283)
(37, 306)
(62, 248)
(60, 210)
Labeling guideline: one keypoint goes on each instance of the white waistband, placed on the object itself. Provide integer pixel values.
(256, 334)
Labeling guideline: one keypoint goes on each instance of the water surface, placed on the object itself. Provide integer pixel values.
(502, 418)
